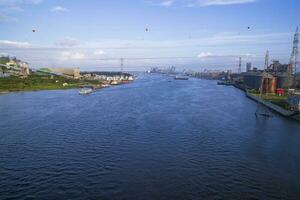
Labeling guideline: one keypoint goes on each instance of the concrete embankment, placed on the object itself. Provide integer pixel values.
(239, 86)
(270, 105)
(278, 109)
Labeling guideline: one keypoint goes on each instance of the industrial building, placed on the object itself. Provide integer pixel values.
(248, 67)
(257, 80)
(277, 67)
(285, 80)
(253, 80)
(276, 75)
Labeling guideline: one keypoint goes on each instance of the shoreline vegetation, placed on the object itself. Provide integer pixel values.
(280, 101)
(274, 102)
(37, 82)
(16, 76)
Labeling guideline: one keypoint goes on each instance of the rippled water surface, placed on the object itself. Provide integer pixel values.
(153, 139)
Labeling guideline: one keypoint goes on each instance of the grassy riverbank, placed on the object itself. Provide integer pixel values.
(41, 82)
(275, 99)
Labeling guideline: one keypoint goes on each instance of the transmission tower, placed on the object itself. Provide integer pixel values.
(294, 61)
(240, 65)
(122, 64)
(267, 60)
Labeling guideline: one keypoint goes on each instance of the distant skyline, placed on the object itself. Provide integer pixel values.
(188, 34)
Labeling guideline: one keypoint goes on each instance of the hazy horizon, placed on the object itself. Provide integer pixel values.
(187, 34)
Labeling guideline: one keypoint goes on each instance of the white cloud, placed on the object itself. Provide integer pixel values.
(19, 2)
(204, 54)
(167, 3)
(59, 9)
(203, 3)
(219, 48)
(68, 42)
(11, 7)
(67, 55)
(222, 2)
(14, 44)
(99, 52)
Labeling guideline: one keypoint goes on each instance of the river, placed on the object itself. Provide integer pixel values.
(156, 138)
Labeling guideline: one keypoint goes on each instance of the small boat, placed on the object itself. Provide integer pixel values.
(114, 83)
(224, 83)
(84, 91)
(181, 78)
(105, 85)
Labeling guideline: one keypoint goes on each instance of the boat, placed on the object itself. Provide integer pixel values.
(224, 83)
(84, 91)
(181, 78)
(114, 83)
(105, 85)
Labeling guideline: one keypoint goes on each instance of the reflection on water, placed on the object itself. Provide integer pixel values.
(154, 139)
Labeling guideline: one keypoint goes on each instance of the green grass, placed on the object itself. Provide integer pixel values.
(275, 99)
(40, 82)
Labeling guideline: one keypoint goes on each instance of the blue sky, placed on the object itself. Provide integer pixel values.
(197, 34)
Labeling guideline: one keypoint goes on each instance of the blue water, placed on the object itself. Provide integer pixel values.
(156, 138)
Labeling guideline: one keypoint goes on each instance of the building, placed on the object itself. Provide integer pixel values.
(277, 67)
(294, 102)
(285, 80)
(280, 91)
(25, 68)
(248, 67)
(257, 80)
(17, 68)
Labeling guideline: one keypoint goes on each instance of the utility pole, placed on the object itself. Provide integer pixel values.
(240, 65)
(267, 60)
(294, 61)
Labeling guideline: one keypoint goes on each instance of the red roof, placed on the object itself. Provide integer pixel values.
(280, 91)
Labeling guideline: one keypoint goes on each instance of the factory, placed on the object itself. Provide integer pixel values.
(257, 80)
(275, 75)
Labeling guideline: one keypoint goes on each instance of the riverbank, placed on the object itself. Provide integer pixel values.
(37, 82)
(275, 103)
(277, 108)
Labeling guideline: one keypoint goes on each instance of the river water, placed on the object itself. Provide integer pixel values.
(156, 138)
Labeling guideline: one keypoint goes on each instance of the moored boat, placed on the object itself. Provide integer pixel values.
(84, 91)
(105, 85)
(114, 83)
(181, 78)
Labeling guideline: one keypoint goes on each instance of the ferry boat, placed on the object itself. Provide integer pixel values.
(84, 91)
(181, 78)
